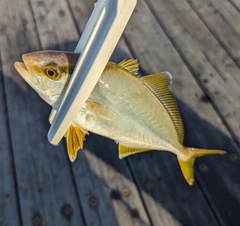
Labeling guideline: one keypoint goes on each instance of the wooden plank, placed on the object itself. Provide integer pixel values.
(155, 173)
(206, 127)
(235, 3)
(46, 188)
(227, 11)
(94, 179)
(8, 202)
(219, 14)
(55, 25)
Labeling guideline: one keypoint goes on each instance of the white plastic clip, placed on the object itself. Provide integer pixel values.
(96, 45)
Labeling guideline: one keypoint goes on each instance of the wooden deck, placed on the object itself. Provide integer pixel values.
(198, 41)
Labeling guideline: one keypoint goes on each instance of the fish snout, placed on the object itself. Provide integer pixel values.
(21, 69)
(28, 58)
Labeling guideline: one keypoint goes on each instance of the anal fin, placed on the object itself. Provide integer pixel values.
(75, 136)
(124, 151)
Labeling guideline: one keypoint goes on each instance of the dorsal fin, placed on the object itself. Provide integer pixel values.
(160, 86)
(131, 65)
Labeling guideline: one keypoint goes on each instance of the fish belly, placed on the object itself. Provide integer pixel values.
(122, 108)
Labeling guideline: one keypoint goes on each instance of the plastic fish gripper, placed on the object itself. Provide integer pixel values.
(100, 37)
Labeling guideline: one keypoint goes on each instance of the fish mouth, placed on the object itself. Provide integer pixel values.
(22, 69)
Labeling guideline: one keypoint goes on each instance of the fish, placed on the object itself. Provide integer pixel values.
(138, 112)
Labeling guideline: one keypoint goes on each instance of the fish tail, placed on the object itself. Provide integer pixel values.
(187, 165)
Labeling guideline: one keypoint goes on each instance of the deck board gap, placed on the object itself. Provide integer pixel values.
(215, 215)
(35, 24)
(77, 193)
(74, 19)
(139, 191)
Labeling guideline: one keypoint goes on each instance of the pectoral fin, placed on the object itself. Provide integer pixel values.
(101, 111)
(75, 136)
(124, 151)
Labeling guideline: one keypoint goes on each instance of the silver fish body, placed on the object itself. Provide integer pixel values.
(128, 112)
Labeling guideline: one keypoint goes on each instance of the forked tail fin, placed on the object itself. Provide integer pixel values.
(187, 165)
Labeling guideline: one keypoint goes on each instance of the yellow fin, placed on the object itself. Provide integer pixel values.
(131, 65)
(187, 165)
(101, 111)
(75, 136)
(160, 86)
(124, 151)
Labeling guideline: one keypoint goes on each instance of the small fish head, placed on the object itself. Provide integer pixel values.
(47, 72)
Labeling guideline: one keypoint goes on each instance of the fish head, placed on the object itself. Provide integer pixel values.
(47, 72)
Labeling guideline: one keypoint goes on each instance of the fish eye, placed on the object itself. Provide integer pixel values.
(52, 73)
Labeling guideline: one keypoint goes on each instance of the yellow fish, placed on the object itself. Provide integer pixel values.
(139, 113)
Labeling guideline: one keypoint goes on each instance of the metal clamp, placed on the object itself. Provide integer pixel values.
(96, 45)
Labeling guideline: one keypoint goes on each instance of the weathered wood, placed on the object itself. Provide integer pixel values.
(206, 132)
(91, 175)
(9, 211)
(55, 25)
(45, 183)
(217, 15)
(235, 3)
